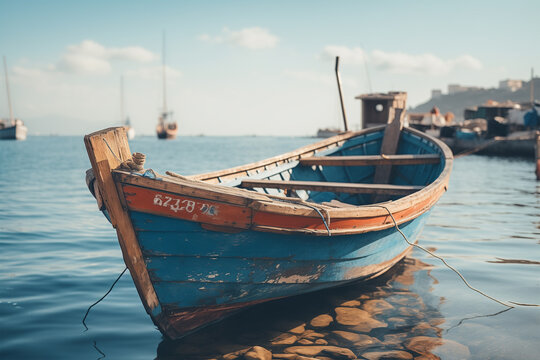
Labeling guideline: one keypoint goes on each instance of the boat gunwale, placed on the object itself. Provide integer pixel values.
(403, 209)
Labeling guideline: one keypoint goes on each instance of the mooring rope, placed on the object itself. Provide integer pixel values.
(321, 215)
(300, 202)
(103, 297)
(135, 163)
(106, 143)
(449, 266)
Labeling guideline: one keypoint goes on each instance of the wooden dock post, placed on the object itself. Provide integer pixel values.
(538, 155)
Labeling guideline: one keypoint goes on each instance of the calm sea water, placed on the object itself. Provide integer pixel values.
(58, 255)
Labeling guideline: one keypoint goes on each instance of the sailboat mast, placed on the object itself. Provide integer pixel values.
(164, 79)
(122, 119)
(8, 95)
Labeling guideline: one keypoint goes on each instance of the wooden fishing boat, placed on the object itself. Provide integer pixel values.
(202, 247)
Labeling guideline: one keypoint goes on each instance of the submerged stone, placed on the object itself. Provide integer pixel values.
(331, 351)
(360, 319)
(376, 306)
(322, 321)
(396, 322)
(298, 330)
(284, 339)
(356, 339)
(443, 348)
(312, 335)
(351, 316)
(258, 353)
(351, 303)
(388, 355)
(395, 340)
(422, 328)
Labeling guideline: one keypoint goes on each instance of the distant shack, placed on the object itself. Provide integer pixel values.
(376, 107)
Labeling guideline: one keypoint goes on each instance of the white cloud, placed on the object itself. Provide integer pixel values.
(251, 38)
(399, 62)
(467, 61)
(402, 63)
(81, 64)
(346, 55)
(91, 57)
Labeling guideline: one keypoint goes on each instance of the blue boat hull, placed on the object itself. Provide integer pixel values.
(197, 271)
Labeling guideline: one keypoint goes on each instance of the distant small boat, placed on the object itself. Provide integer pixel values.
(130, 131)
(328, 132)
(166, 127)
(12, 128)
(201, 247)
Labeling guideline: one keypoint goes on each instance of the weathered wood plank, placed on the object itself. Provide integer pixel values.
(106, 150)
(370, 160)
(333, 187)
(231, 174)
(389, 145)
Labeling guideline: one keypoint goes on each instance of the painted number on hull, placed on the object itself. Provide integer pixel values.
(184, 205)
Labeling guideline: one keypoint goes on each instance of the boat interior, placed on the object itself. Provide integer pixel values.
(343, 174)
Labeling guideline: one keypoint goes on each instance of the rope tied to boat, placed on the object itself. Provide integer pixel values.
(322, 216)
(103, 297)
(301, 202)
(507, 304)
(135, 163)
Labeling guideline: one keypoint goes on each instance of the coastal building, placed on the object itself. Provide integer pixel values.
(436, 93)
(511, 85)
(456, 88)
(376, 107)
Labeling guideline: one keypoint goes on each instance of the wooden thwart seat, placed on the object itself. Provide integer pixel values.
(367, 160)
(332, 187)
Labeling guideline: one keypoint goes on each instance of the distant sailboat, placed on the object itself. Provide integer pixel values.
(130, 131)
(166, 127)
(11, 129)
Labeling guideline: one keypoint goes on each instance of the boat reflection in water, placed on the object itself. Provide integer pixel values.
(394, 316)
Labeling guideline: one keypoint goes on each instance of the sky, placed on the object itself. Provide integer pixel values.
(249, 67)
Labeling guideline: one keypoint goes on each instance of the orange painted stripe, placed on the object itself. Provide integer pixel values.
(186, 208)
(268, 219)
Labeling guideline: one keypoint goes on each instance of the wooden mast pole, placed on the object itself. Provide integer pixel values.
(8, 94)
(122, 119)
(341, 95)
(164, 79)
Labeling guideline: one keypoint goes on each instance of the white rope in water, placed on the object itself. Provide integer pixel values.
(450, 267)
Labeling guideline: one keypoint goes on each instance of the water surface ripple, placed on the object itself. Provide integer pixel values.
(59, 255)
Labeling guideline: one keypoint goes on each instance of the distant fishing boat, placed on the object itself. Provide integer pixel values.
(166, 128)
(328, 132)
(201, 247)
(12, 128)
(130, 131)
